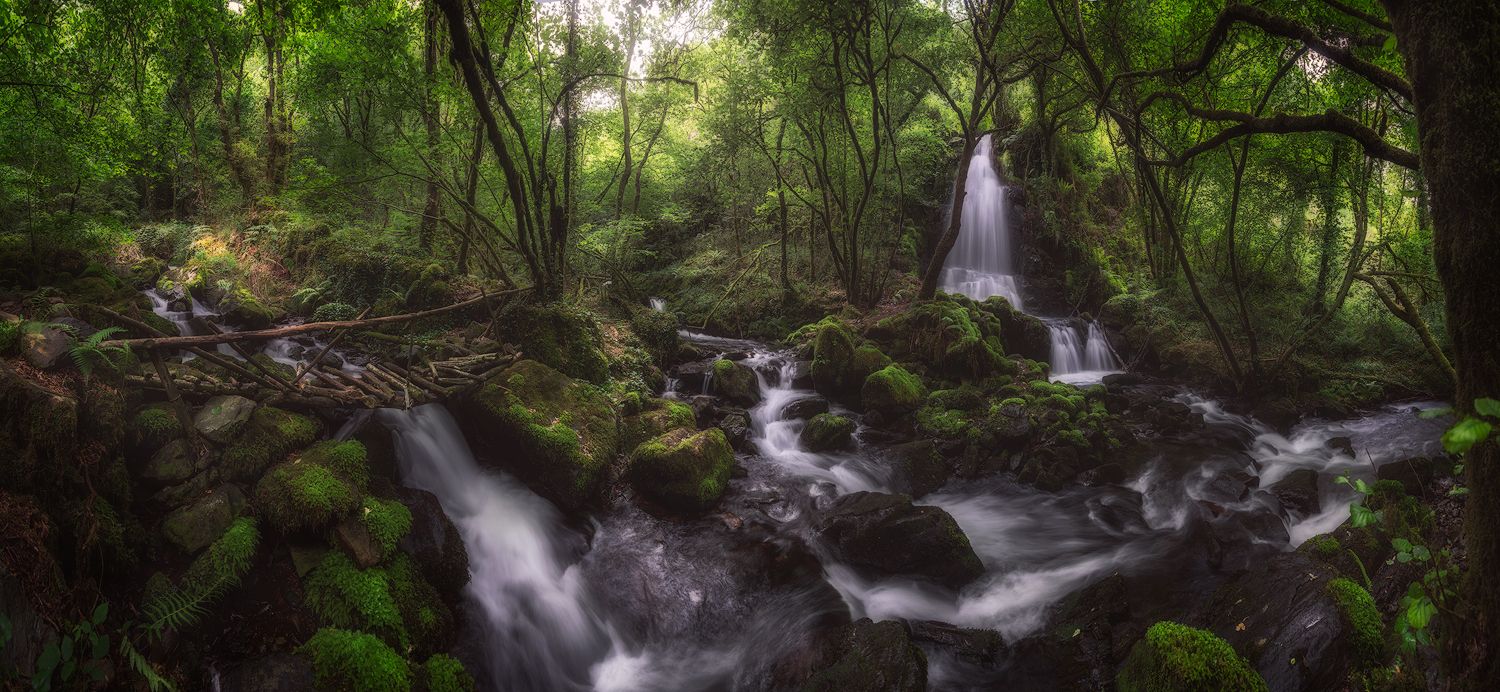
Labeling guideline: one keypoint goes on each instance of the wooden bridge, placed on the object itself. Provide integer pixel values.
(315, 384)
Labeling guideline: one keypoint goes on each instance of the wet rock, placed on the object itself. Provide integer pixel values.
(555, 433)
(655, 417)
(1089, 635)
(977, 646)
(1024, 335)
(193, 527)
(1298, 492)
(736, 427)
(170, 464)
(870, 657)
(1229, 486)
(919, 467)
(1241, 539)
(1415, 474)
(888, 535)
(435, 543)
(705, 407)
(892, 392)
(804, 408)
(802, 374)
(354, 537)
(826, 432)
(45, 347)
(691, 376)
(1107, 474)
(273, 673)
(242, 308)
(684, 470)
(223, 417)
(736, 382)
(1342, 444)
(833, 358)
(1009, 426)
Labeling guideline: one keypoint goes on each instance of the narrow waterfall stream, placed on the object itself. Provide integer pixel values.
(980, 265)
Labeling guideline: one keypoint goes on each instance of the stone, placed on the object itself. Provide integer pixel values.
(45, 347)
(306, 554)
(435, 544)
(272, 673)
(170, 464)
(892, 392)
(193, 527)
(1342, 444)
(684, 470)
(1298, 492)
(1025, 335)
(736, 427)
(354, 537)
(826, 432)
(656, 416)
(804, 408)
(919, 467)
(1414, 474)
(887, 535)
(736, 382)
(868, 656)
(977, 646)
(223, 417)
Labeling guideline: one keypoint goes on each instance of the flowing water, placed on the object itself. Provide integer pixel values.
(981, 265)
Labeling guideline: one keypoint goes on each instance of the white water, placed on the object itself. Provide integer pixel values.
(539, 630)
(777, 438)
(658, 304)
(981, 265)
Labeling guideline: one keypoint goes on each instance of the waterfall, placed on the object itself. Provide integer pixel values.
(980, 264)
(658, 304)
(538, 629)
(1079, 357)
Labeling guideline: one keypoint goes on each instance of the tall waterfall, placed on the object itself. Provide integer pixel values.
(980, 265)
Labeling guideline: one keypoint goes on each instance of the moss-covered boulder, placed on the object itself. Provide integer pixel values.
(153, 426)
(241, 307)
(736, 382)
(657, 330)
(444, 673)
(651, 418)
(435, 543)
(1362, 617)
(684, 470)
(563, 336)
(833, 359)
(430, 290)
(554, 432)
(392, 601)
(826, 431)
(892, 392)
(347, 660)
(269, 435)
(312, 490)
(145, 272)
(868, 656)
(195, 526)
(887, 535)
(1175, 657)
(949, 336)
(1024, 334)
(223, 417)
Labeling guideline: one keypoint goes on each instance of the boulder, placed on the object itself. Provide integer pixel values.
(193, 527)
(950, 336)
(1342, 444)
(736, 427)
(1175, 657)
(223, 417)
(984, 647)
(267, 438)
(272, 673)
(684, 470)
(355, 538)
(656, 416)
(1298, 492)
(1025, 335)
(435, 543)
(736, 382)
(242, 308)
(170, 464)
(919, 467)
(692, 376)
(804, 408)
(892, 392)
(868, 656)
(45, 347)
(801, 375)
(887, 535)
(1414, 474)
(555, 433)
(825, 432)
(833, 360)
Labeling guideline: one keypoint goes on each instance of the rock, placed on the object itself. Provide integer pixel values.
(1414, 474)
(892, 392)
(1342, 444)
(888, 535)
(223, 417)
(656, 416)
(240, 307)
(684, 470)
(1298, 492)
(1009, 427)
(45, 347)
(1228, 486)
(870, 656)
(705, 407)
(833, 358)
(354, 537)
(977, 646)
(919, 467)
(950, 336)
(435, 543)
(804, 408)
(273, 673)
(736, 427)
(1025, 335)
(271, 434)
(1175, 657)
(826, 432)
(193, 527)
(556, 433)
(170, 464)
(306, 554)
(736, 382)
(801, 374)
(692, 376)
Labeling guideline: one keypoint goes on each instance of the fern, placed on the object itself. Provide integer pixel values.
(87, 353)
(154, 680)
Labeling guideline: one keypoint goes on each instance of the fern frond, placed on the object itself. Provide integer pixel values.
(101, 336)
(143, 667)
(175, 610)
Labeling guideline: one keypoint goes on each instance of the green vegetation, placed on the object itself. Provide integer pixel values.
(270, 435)
(1185, 659)
(443, 673)
(344, 660)
(392, 601)
(892, 390)
(1363, 619)
(684, 470)
(388, 522)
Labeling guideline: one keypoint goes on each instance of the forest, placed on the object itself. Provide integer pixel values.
(697, 345)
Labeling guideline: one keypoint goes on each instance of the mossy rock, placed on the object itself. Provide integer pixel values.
(867, 359)
(559, 433)
(735, 382)
(563, 336)
(392, 601)
(195, 526)
(950, 336)
(154, 426)
(242, 308)
(268, 437)
(430, 290)
(892, 391)
(144, 273)
(345, 660)
(93, 290)
(444, 673)
(658, 331)
(334, 312)
(1359, 612)
(685, 470)
(1024, 334)
(651, 418)
(833, 360)
(1177, 658)
(314, 489)
(826, 431)
(869, 657)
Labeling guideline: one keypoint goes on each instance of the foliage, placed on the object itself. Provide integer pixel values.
(343, 659)
(443, 673)
(88, 353)
(80, 654)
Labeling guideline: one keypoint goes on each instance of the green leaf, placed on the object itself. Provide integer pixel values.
(1465, 434)
(1362, 486)
(68, 667)
(1488, 407)
(1458, 490)
(1419, 614)
(1400, 544)
(1420, 553)
(67, 647)
(100, 647)
(1390, 44)
(49, 658)
(101, 611)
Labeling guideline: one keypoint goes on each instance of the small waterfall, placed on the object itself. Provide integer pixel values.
(1079, 358)
(162, 306)
(658, 304)
(529, 601)
(980, 264)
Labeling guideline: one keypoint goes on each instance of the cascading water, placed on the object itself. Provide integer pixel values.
(980, 264)
(658, 304)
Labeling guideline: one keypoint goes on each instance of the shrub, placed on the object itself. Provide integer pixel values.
(1175, 657)
(344, 660)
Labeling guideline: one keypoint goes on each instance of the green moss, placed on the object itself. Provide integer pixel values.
(297, 496)
(685, 470)
(654, 417)
(154, 426)
(342, 595)
(348, 459)
(10, 336)
(1324, 545)
(657, 331)
(564, 336)
(344, 660)
(950, 335)
(269, 436)
(1363, 618)
(388, 522)
(1175, 657)
(443, 673)
(334, 312)
(225, 561)
(833, 358)
(867, 359)
(826, 431)
(892, 390)
(941, 422)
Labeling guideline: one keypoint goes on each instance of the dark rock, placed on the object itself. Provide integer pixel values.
(919, 467)
(826, 432)
(804, 408)
(273, 673)
(223, 417)
(977, 646)
(802, 374)
(736, 427)
(1414, 474)
(1228, 486)
(193, 527)
(434, 543)
(1108, 474)
(354, 537)
(1298, 492)
(870, 657)
(1009, 426)
(45, 347)
(1024, 335)
(691, 376)
(1239, 540)
(888, 535)
(705, 407)
(736, 382)
(170, 464)
(1342, 444)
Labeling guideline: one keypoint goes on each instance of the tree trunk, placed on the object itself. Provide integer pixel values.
(955, 221)
(625, 156)
(430, 118)
(1452, 52)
